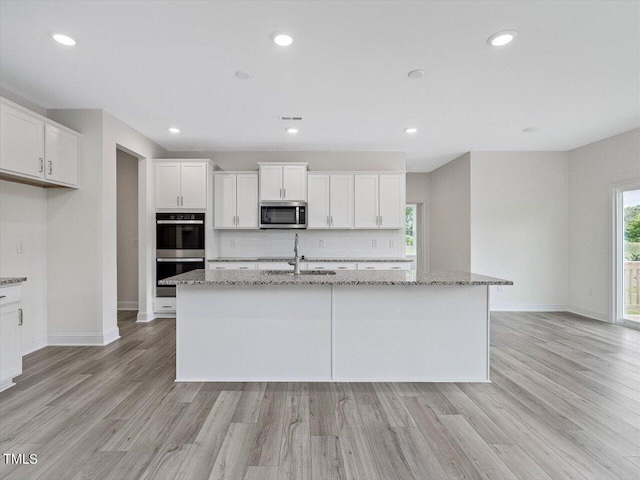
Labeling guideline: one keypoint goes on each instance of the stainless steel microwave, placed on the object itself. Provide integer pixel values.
(283, 215)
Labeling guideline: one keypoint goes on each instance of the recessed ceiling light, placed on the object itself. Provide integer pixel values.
(63, 39)
(530, 129)
(502, 38)
(291, 130)
(282, 39)
(416, 74)
(174, 130)
(242, 75)
(411, 130)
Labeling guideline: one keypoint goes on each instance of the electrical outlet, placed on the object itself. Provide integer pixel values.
(20, 247)
(374, 243)
(321, 243)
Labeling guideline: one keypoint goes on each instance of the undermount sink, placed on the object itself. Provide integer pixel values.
(304, 272)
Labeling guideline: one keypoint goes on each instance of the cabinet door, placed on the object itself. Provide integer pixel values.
(168, 185)
(294, 182)
(270, 182)
(366, 201)
(247, 200)
(60, 155)
(21, 142)
(318, 204)
(193, 185)
(391, 201)
(10, 342)
(341, 201)
(224, 200)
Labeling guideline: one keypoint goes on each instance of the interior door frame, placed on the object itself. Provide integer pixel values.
(617, 253)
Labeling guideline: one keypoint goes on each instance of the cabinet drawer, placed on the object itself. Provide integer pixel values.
(233, 266)
(276, 266)
(331, 266)
(9, 294)
(384, 266)
(164, 304)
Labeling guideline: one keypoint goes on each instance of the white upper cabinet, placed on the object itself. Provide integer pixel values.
(247, 200)
(366, 201)
(379, 200)
(286, 182)
(235, 200)
(35, 148)
(181, 185)
(392, 201)
(61, 155)
(330, 203)
(318, 203)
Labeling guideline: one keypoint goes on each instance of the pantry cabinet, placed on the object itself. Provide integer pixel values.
(36, 150)
(181, 185)
(235, 200)
(286, 182)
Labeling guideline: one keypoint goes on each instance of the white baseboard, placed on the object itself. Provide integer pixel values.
(127, 305)
(84, 339)
(33, 345)
(145, 317)
(523, 307)
(603, 317)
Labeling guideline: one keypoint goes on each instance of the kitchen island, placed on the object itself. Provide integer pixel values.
(372, 326)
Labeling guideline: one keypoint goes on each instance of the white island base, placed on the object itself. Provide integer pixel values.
(344, 333)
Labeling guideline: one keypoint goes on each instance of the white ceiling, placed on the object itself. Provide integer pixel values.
(573, 71)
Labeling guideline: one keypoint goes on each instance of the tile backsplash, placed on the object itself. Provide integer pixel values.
(313, 243)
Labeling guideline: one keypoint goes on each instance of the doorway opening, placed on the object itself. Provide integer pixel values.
(630, 250)
(127, 230)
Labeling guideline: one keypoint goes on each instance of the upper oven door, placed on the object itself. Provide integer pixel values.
(180, 234)
(282, 215)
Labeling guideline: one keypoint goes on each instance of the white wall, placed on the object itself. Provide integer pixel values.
(418, 192)
(337, 243)
(449, 209)
(519, 227)
(318, 161)
(127, 219)
(23, 219)
(592, 170)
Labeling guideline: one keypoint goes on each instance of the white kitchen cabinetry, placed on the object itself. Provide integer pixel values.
(277, 266)
(35, 149)
(330, 203)
(287, 182)
(10, 335)
(384, 265)
(379, 200)
(181, 185)
(330, 266)
(235, 200)
(233, 266)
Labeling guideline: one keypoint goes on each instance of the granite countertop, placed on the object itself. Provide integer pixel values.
(11, 280)
(317, 260)
(351, 277)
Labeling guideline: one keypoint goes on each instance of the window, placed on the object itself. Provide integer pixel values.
(411, 239)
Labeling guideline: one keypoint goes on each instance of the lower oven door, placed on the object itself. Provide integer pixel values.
(169, 267)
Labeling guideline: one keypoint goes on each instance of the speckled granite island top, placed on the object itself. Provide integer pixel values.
(352, 277)
(11, 280)
(314, 260)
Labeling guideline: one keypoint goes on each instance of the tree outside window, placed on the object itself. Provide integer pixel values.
(411, 239)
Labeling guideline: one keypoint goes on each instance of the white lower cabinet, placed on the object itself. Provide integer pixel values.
(233, 266)
(10, 335)
(384, 265)
(164, 304)
(331, 266)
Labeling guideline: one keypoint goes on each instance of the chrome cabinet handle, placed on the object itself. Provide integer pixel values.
(181, 201)
(243, 268)
(3, 296)
(284, 193)
(237, 220)
(280, 193)
(178, 201)
(328, 223)
(370, 268)
(220, 268)
(50, 167)
(380, 220)
(20, 317)
(331, 220)
(41, 164)
(395, 268)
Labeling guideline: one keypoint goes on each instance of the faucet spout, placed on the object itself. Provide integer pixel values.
(296, 260)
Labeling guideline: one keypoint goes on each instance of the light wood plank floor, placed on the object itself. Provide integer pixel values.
(564, 404)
